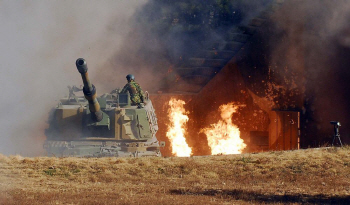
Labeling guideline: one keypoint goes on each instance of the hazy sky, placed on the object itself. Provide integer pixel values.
(40, 41)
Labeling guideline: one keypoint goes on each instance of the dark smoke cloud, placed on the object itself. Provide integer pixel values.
(309, 50)
(166, 33)
(40, 41)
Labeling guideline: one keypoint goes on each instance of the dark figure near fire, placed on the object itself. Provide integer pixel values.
(135, 91)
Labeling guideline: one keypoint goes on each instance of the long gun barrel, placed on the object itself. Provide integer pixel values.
(89, 91)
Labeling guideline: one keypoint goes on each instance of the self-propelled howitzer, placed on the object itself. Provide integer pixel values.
(108, 125)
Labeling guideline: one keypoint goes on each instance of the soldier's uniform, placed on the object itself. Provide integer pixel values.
(135, 91)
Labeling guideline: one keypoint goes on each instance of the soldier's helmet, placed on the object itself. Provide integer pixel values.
(130, 77)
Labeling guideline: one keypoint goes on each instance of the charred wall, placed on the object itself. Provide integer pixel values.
(299, 61)
(305, 43)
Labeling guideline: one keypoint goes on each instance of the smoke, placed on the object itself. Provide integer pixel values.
(309, 49)
(40, 42)
(165, 34)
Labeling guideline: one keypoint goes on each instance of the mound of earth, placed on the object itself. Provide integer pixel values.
(301, 176)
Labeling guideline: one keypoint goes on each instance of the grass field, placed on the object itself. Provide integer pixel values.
(315, 176)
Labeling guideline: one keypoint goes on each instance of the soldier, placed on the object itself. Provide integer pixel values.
(135, 91)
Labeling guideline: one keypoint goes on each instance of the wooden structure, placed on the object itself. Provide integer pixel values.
(217, 75)
(284, 131)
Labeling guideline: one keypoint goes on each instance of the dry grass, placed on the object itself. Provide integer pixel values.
(296, 177)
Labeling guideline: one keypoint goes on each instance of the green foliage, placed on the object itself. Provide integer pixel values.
(296, 168)
(161, 170)
(249, 159)
(50, 172)
(65, 172)
(74, 171)
(246, 159)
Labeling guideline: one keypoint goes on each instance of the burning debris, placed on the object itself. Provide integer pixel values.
(176, 129)
(224, 136)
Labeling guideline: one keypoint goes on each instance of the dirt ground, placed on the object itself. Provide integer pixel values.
(312, 176)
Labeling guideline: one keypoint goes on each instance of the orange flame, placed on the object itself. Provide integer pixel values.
(224, 136)
(176, 130)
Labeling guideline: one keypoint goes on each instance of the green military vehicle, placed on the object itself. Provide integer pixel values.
(91, 126)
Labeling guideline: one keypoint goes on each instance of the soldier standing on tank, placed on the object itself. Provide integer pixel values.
(135, 91)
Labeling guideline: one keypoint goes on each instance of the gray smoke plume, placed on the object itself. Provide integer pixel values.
(40, 41)
(165, 34)
(309, 48)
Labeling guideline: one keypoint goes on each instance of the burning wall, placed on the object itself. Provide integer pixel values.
(161, 105)
(224, 136)
(203, 111)
(176, 129)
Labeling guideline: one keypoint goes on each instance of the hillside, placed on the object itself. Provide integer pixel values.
(302, 176)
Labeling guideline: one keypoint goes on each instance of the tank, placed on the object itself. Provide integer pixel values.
(108, 125)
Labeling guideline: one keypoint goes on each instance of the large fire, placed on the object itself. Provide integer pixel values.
(176, 128)
(224, 136)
